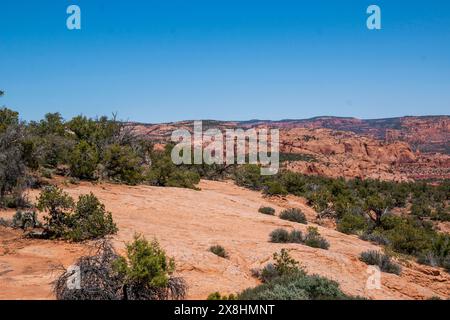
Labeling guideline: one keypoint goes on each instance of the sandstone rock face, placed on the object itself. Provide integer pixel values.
(426, 134)
(387, 149)
(345, 154)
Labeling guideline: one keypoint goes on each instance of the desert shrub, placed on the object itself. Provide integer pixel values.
(25, 220)
(142, 275)
(147, 272)
(296, 236)
(83, 161)
(375, 238)
(59, 206)
(218, 296)
(219, 251)
(90, 220)
(315, 240)
(438, 254)
(249, 176)
(268, 273)
(163, 172)
(406, 236)
(294, 215)
(282, 236)
(383, 261)
(12, 165)
(274, 188)
(87, 219)
(283, 264)
(294, 183)
(99, 279)
(183, 179)
(420, 208)
(279, 236)
(122, 164)
(297, 286)
(352, 224)
(267, 210)
(8, 118)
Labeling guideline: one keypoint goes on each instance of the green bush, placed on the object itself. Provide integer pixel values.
(59, 206)
(283, 236)
(297, 286)
(218, 296)
(122, 164)
(406, 236)
(279, 236)
(438, 254)
(268, 273)
(145, 273)
(383, 261)
(146, 269)
(294, 215)
(90, 220)
(376, 238)
(219, 251)
(283, 264)
(87, 219)
(267, 210)
(274, 188)
(352, 224)
(83, 161)
(163, 172)
(183, 179)
(249, 176)
(315, 240)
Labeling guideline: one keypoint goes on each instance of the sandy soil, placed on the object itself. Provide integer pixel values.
(187, 223)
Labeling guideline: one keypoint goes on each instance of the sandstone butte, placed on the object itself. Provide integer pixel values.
(187, 223)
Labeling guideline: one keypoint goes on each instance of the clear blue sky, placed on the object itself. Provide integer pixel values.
(167, 60)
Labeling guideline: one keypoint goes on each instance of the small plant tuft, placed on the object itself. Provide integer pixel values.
(267, 210)
(219, 251)
(315, 240)
(294, 215)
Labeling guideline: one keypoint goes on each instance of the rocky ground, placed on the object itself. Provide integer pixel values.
(187, 223)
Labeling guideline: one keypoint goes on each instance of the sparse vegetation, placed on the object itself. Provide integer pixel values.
(315, 240)
(294, 215)
(312, 238)
(289, 157)
(383, 261)
(267, 210)
(218, 296)
(219, 251)
(364, 207)
(287, 281)
(283, 236)
(274, 188)
(352, 224)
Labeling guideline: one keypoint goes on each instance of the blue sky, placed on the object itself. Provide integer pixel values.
(168, 60)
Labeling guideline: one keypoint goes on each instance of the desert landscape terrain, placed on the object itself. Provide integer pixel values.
(186, 223)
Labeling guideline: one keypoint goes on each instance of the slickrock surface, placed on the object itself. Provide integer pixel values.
(187, 223)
